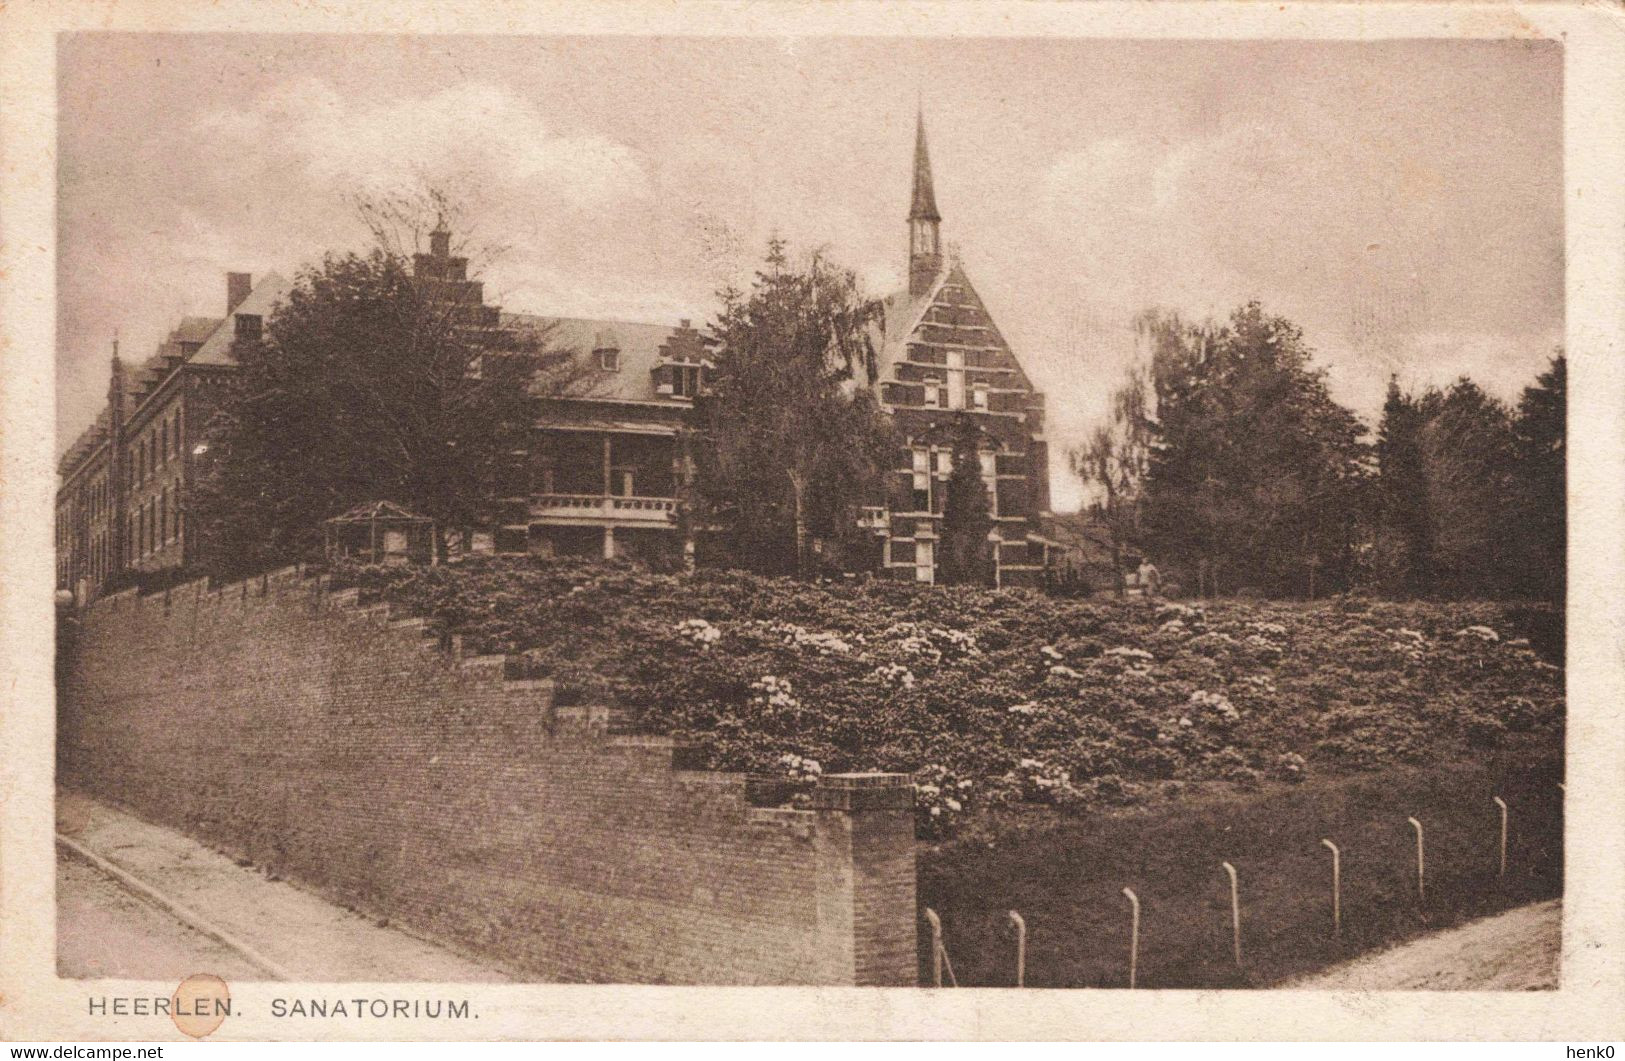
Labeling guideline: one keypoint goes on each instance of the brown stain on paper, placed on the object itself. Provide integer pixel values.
(200, 1004)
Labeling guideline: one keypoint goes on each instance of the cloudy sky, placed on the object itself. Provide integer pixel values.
(1402, 200)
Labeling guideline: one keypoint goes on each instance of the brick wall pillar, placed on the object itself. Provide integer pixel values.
(864, 852)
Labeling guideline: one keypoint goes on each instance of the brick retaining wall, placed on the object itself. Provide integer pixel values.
(282, 723)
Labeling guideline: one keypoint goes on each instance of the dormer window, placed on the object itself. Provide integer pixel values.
(606, 349)
(685, 381)
(249, 327)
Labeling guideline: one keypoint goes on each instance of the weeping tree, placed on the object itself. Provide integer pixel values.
(1116, 459)
(790, 438)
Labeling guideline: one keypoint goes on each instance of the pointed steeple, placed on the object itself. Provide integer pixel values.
(924, 223)
(925, 196)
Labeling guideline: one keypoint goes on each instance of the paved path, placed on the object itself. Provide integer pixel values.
(1519, 950)
(221, 916)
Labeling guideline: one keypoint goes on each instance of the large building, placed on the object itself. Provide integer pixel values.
(942, 356)
(607, 468)
(127, 479)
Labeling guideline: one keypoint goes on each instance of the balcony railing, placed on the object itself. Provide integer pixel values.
(601, 508)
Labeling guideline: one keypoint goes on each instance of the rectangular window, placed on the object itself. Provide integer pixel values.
(978, 396)
(956, 379)
(933, 396)
(163, 515)
(922, 469)
(249, 327)
(685, 380)
(924, 561)
(609, 359)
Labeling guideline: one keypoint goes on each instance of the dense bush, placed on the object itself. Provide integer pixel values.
(1006, 695)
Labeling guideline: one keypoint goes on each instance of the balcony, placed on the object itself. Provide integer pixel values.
(599, 510)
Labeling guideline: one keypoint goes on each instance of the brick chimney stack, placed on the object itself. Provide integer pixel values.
(238, 285)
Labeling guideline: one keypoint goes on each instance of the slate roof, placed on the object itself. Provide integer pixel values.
(216, 349)
(642, 346)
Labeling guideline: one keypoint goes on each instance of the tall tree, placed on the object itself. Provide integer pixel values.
(1116, 459)
(967, 518)
(368, 385)
(1468, 462)
(1540, 437)
(1403, 546)
(1256, 473)
(790, 447)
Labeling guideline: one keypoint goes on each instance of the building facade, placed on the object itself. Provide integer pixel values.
(607, 469)
(126, 482)
(943, 357)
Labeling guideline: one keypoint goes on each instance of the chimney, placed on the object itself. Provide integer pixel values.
(440, 242)
(238, 285)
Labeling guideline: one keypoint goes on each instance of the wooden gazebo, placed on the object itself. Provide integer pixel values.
(380, 532)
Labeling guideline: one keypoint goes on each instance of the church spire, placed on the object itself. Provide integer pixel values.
(924, 223)
(925, 198)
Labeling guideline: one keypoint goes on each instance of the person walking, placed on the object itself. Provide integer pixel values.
(1150, 580)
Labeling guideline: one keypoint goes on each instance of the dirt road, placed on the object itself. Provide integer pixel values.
(1515, 951)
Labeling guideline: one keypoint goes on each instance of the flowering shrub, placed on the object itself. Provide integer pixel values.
(800, 768)
(1029, 698)
(700, 632)
(774, 692)
(894, 674)
(940, 800)
(803, 638)
(1215, 706)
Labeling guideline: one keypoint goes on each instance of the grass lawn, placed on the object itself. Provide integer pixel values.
(1066, 877)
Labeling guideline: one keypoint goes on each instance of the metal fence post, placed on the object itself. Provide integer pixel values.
(1421, 864)
(1021, 948)
(1133, 937)
(1499, 802)
(1235, 911)
(1337, 888)
(936, 946)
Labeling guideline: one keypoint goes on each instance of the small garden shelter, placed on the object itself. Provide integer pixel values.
(380, 532)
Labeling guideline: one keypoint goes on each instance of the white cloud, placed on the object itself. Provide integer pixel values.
(480, 132)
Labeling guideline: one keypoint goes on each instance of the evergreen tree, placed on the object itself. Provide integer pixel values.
(967, 518)
(788, 448)
(1404, 528)
(1540, 438)
(1257, 475)
(1468, 462)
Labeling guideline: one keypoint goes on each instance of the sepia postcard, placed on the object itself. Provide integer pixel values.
(787, 521)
